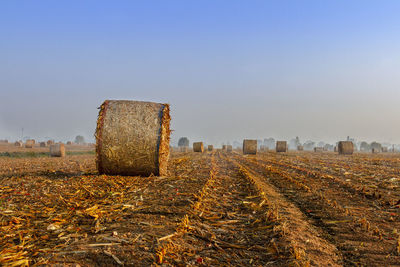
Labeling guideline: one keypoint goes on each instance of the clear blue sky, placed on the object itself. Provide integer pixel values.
(320, 70)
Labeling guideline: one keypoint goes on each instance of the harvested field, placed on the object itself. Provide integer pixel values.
(218, 208)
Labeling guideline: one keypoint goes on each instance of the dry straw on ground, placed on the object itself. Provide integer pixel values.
(198, 147)
(249, 146)
(210, 147)
(57, 150)
(30, 143)
(132, 138)
(345, 147)
(281, 146)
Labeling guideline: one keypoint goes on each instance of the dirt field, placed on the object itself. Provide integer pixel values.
(289, 209)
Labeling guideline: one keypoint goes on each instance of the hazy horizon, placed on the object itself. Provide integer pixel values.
(229, 69)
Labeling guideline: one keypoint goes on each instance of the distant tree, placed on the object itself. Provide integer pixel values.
(364, 146)
(79, 139)
(183, 141)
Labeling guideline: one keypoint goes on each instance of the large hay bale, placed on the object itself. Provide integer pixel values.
(43, 144)
(345, 148)
(281, 146)
(210, 148)
(300, 148)
(198, 147)
(18, 144)
(132, 138)
(249, 147)
(30, 143)
(229, 148)
(57, 150)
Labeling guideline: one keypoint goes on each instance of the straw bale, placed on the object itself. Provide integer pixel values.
(223, 147)
(30, 143)
(335, 149)
(132, 138)
(18, 144)
(50, 142)
(210, 148)
(300, 148)
(198, 147)
(318, 149)
(345, 147)
(57, 150)
(43, 144)
(229, 148)
(385, 149)
(183, 149)
(281, 146)
(376, 150)
(69, 143)
(249, 146)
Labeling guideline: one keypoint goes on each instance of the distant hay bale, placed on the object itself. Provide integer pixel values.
(376, 150)
(5, 141)
(335, 149)
(30, 143)
(57, 150)
(223, 147)
(385, 149)
(210, 148)
(198, 147)
(281, 146)
(18, 144)
(229, 148)
(50, 142)
(69, 143)
(318, 149)
(43, 144)
(345, 148)
(249, 146)
(132, 138)
(300, 148)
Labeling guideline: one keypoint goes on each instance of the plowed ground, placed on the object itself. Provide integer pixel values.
(291, 209)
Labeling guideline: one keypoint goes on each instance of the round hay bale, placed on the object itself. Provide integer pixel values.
(132, 138)
(376, 150)
(249, 146)
(318, 149)
(57, 150)
(198, 147)
(50, 142)
(30, 143)
(223, 147)
(18, 144)
(300, 148)
(183, 149)
(43, 144)
(385, 149)
(229, 148)
(210, 148)
(345, 148)
(281, 146)
(69, 143)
